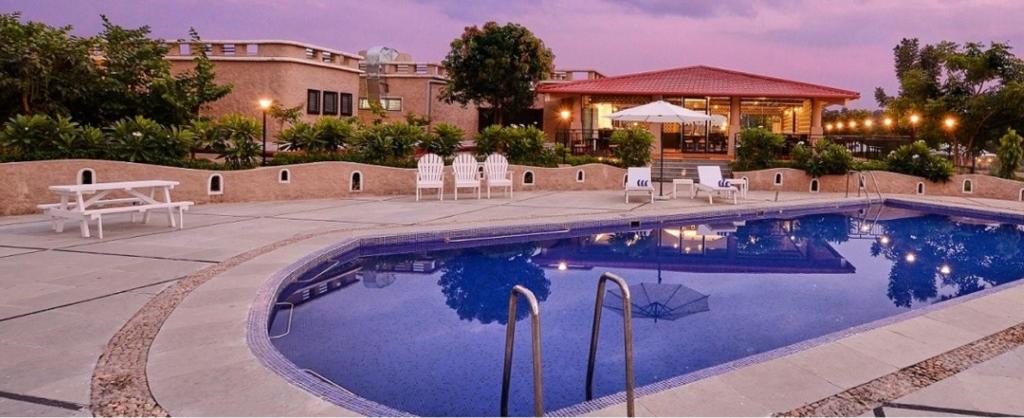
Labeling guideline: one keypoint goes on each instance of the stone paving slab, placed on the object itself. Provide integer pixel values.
(40, 235)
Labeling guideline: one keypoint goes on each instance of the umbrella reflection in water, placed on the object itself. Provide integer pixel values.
(660, 301)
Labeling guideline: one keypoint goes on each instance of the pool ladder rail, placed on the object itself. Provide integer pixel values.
(538, 384)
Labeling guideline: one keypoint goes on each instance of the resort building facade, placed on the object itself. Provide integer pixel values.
(576, 111)
(323, 81)
(405, 86)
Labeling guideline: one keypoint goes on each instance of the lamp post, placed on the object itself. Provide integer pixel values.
(914, 120)
(566, 116)
(264, 107)
(950, 125)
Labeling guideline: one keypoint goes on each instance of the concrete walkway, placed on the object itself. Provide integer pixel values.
(63, 296)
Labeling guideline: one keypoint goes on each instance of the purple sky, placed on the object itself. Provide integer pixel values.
(845, 44)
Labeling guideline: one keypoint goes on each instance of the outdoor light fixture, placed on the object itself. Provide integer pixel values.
(565, 114)
(853, 124)
(884, 240)
(910, 258)
(950, 123)
(868, 123)
(562, 266)
(914, 119)
(265, 104)
(887, 122)
(828, 127)
(839, 125)
(945, 269)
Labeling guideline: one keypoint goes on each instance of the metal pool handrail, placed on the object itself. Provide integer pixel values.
(510, 335)
(627, 322)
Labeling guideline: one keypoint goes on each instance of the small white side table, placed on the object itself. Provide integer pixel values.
(677, 182)
(742, 184)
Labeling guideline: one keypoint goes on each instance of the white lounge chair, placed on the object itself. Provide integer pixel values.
(496, 173)
(711, 182)
(638, 179)
(467, 174)
(430, 175)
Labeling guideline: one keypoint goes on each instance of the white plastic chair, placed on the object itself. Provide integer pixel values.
(638, 179)
(430, 175)
(496, 173)
(711, 182)
(466, 174)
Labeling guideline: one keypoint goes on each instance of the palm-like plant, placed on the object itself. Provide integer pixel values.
(235, 141)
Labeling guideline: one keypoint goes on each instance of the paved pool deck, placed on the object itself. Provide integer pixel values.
(62, 299)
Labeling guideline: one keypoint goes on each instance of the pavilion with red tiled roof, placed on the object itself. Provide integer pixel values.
(575, 111)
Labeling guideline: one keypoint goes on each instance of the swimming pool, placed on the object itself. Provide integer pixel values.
(420, 327)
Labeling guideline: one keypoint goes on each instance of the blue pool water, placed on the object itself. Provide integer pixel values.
(422, 329)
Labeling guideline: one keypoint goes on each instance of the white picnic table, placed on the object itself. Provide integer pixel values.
(142, 197)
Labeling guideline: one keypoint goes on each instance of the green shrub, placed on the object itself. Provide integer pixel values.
(444, 140)
(917, 160)
(824, 158)
(234, 140)
(285, 158)
(142, 140)
(333, 134)
(298, 137)
(757, 148)
(870, 165)
(388, 143)
(525, 145)
(1010, 154)
(490, 140)
(36, 137)
(633, 146)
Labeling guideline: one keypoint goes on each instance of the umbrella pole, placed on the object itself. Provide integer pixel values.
(661, 171)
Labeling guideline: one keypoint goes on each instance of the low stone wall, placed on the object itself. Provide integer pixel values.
(793, 180)
(23, 185)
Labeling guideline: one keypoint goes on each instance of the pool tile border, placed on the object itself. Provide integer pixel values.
(270, 357)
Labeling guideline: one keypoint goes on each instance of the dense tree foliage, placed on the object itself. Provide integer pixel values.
(119, 73)
(496, 66)
(981, 86)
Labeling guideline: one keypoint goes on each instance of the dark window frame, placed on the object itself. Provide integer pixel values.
(313, 104)
(331, 98)
(345, 104)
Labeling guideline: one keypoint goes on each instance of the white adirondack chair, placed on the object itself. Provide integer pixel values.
(430, 175)
(496, 173)
(467, 174)
(638, 179)
(711, 182)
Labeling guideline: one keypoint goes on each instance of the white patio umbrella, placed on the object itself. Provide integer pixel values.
(660, 112)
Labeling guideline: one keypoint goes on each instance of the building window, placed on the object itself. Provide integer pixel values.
(215, 185)
(252, 49)
(528, 178)
(185, 49)
(356, 182)
(310, 53)
(421, 68)
(313, 102)
(330, 103)
(229, 49)
(391, 104)
(284, 176)
(346, 104)
(326, 57)
(208, 48)
(968, 186)
(86, 176)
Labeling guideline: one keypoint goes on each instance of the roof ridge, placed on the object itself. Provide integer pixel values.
(773, 78)
(626, 76)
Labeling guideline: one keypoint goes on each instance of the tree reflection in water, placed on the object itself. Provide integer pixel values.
(930, 250)
(476, 282)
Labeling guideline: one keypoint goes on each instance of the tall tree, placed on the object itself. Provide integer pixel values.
(42, 68)
(981, 86)
(177, 99)
(496, 66)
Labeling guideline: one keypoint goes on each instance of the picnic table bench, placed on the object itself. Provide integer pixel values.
(74, 205)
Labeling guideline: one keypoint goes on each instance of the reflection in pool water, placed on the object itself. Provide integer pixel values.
(423, 331)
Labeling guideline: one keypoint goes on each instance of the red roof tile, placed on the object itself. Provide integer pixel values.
(699, 81)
